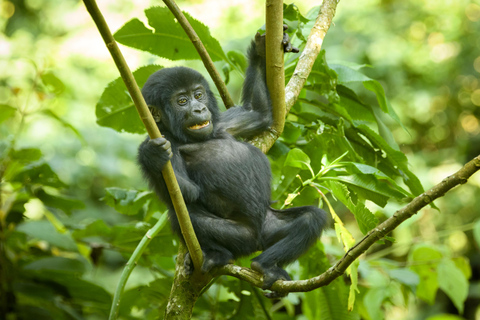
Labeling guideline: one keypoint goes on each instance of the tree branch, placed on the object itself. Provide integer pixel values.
(152, 129)
(304, 66)
(311, 51)
(458, 178)
(207, 61)
(274, 61)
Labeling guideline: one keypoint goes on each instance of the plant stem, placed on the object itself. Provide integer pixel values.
(132, 262)
(207, 61)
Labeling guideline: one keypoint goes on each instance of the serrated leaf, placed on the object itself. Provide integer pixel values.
(6, 112)
(44, 230)
(453, 282)
(298, 159)
(116, 110)
(365, 218)
(168, 39)
(396, 158)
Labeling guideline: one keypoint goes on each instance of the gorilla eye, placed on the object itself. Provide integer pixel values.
(198, 95)
(182, 101)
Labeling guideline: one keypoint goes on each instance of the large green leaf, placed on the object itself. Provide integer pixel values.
(6, 112)
(116, 110)
(38, 174)
(424, 260)
(44, 230)
(298, 159)
(168, 39)
(453, 282)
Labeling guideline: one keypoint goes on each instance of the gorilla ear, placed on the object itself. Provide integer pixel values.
(155, 113)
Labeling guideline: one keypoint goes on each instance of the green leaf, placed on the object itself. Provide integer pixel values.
(453, 282)
(52, 83)
(168, 39)
(128, 202)
(445, 317)
(38, 174)
(329, 302)
(116, 110)
(58, 264)
(298, 159)
(64, 203)
(425, 260)
(44, 230)
(476, 232)
(396, 158)
(373, 302)
(97, 228)
(25, 156)
(237, 58)
(365, 218)
(6, 112)
(405, 276)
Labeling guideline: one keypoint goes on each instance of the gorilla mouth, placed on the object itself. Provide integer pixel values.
(200, 125)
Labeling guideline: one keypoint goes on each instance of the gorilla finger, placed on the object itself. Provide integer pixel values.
(285, 27)
(286, 39)
(167, 145)
(295, 50)
(288, 47)
(158, 141)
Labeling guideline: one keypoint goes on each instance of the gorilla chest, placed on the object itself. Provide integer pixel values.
(228, 169)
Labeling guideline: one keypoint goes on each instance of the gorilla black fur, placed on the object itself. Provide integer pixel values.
(225, 182)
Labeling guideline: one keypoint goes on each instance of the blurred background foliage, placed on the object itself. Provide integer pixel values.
(60, 169)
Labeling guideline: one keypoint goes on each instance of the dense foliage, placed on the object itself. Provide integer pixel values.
(62, 247)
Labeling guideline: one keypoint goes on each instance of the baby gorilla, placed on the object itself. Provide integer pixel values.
(225, 182)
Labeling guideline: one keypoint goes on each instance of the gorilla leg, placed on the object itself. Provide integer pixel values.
(287, 234)
(221, 240)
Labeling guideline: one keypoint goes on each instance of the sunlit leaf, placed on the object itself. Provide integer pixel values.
(6, 112)
(168, 39)
(44, 230)
(298, 159)
(116, 110)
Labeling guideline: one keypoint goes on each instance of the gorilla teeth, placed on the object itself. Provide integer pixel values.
(200, 126)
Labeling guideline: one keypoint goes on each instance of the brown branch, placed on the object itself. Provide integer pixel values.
(304, 66)
(152, 129)
(207, 61)
(311, 51)
(458, 178)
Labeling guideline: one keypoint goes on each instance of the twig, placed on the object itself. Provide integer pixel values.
(153, 132)
(207, 61)
(132, 262)
(311, 51)
(458, 178)
(304, 66)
